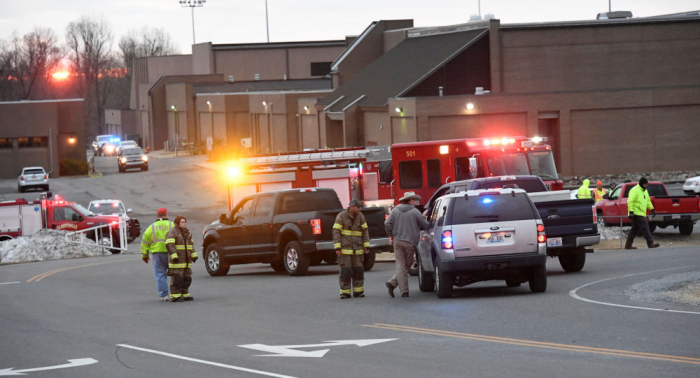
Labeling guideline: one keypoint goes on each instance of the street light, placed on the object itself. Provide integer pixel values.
(192, 4)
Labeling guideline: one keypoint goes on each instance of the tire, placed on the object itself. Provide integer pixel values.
(277, 265)
(369, 260)
(295, 261)
(331, 258)
(144, 168)
(444, 283)
(652, 227)
(20, 189)
(122, 170)
(213, 261)
(685, 228)
(413, 270)
(512, 283)
(538, 279)
(573, 262)
(426, 281)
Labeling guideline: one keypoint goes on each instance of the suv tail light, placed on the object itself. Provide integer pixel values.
(541, 237)
(21, 178)
(595, 215)
(46, 177)
(316, 226)
(446, 240)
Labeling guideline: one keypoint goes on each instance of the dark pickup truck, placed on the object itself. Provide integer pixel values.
(288, 229)
(570, 224)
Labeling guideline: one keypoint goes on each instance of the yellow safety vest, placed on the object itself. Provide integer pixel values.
(155, 242)
(599, 195)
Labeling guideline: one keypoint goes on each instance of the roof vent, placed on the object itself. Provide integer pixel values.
(489, 16)
(617, 15)
(474, 18)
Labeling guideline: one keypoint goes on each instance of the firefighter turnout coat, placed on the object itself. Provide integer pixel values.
(350, 234)
(154, 237)
(181, 252)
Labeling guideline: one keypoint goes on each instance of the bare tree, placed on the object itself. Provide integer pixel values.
(26, 64)
(147, 42)
(90, 43)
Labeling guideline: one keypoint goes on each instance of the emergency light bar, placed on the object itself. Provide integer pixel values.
(534, 140)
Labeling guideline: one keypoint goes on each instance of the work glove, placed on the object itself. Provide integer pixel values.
(366, 251)
(653, 212)
(176, 260)
(194, 260)
(145, 259)
(631, 216)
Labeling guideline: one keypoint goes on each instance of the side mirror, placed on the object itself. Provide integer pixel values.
(128, 211)
(472, 167)
(223, 218)
(77, 218)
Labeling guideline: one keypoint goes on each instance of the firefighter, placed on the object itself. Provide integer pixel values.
(153, 240)
(584, 191)
(351, 243)
(599, 191)
(181, 256)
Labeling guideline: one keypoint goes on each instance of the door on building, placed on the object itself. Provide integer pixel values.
(548, 126)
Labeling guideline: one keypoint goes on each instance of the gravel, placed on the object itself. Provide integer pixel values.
(681, 288)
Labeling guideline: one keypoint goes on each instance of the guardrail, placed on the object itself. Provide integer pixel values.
(103, 236)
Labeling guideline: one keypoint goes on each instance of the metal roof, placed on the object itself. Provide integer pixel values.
(278, 45)
(400, 69)
(263, 86)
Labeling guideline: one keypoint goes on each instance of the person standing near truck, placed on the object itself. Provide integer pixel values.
(403, 225)
(153, 240)
(351, 243)
(637, 206)
(181, 256)
(584, 191)
(599, 191)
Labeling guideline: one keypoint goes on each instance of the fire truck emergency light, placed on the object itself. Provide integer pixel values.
(444, 150)
(233, 172)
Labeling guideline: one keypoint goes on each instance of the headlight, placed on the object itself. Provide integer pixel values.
(144, 158)
(123, 160)
(110, 148)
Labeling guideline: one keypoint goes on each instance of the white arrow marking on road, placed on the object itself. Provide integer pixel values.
(8, 283)
(71, 363)
(290, 350)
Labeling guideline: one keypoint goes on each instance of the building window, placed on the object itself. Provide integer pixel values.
(320, 68)
(433, 169)
(5, 142)
(33, 142)
(411, 174)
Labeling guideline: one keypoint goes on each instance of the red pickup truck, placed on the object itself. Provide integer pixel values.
(678, 211)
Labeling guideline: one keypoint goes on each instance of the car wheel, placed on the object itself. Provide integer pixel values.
(295, 261)
(277, 265)
(426, 281)
(512, 283)
(685, 228)
(47, 188)
(573, 262)
(144, 168)
(214, 261)
(369, 260)
(444, 283)
(19, 189)
(652, 227)
(538, 279)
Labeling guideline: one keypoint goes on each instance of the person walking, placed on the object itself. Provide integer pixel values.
(181, 256)
(599, 191)
(637, 205)
(153, 240)
(584, 191)
(351, 243)
(403, 225)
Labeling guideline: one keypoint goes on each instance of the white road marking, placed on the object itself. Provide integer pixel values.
(573, 294)
(205, 362)
(290, 350)
(8, 283)
(71, 363)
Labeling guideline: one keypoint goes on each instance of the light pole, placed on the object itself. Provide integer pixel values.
(192, 4)
(267, 23)
(177, 128)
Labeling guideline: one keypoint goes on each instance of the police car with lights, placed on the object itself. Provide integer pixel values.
(105, 145)
(480, 235)
(116, 208)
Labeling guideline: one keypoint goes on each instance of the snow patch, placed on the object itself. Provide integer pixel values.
(46, 245)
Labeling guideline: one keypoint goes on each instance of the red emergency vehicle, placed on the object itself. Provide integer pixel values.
(24, 218)
(379, 176)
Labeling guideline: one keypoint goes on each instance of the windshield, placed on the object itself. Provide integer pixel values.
(33, 172)
(542, 164)
(132, 151)
(107, 208)
(103, 138)
(83, 210)
(508, 164)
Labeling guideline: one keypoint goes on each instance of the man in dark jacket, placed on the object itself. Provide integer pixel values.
(404, 225)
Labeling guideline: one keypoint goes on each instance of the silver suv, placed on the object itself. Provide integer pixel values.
(33, 177)
(481, 235)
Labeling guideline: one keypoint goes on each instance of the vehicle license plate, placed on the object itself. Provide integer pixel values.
(675, 216)
(495, 239)
(554, 242)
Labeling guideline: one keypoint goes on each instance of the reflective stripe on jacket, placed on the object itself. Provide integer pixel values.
(599, 194)
(155, 243)
(350, 234)
(180, 248)
(639, 202)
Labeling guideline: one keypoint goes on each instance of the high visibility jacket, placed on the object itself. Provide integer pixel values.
(584, 191)
(599, 194)
(180, 249)
(639, 201)
(350, 234)
(155, 242)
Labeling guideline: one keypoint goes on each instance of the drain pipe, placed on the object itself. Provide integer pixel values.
(50, 152)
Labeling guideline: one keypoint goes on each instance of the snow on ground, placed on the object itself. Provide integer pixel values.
(45, 245)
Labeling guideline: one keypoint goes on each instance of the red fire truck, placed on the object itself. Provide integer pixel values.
(380, 176)
(24, 218)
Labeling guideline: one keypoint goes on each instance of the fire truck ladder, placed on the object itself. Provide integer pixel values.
(310, 157)
(103, 237)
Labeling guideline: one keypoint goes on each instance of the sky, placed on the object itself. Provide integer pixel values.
(237, 21)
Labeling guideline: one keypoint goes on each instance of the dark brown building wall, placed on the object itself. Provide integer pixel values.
(601, 56)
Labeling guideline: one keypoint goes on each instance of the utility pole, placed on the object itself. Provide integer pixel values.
(267, 23)
(192, 4)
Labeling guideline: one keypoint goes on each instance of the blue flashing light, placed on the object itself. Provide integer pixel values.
(487, 200)
(447, 239)
(361, 169)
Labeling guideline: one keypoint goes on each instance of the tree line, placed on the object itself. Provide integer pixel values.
(31, 65)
